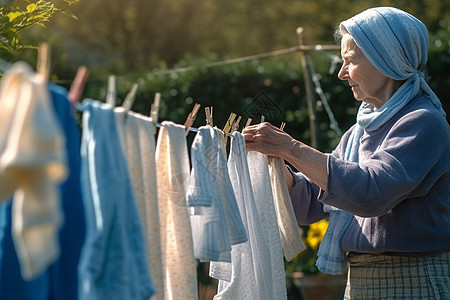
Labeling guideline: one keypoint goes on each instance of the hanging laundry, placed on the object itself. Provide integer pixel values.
(259, 174)
(235, 226)
(138, 144)
(60, 279)
(291, 239)
(172, 169)
(215, 219)
(209, 231)
(113, 262)
(248, 276)
(32, 164)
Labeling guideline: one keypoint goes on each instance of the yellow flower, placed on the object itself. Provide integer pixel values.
(316, 232)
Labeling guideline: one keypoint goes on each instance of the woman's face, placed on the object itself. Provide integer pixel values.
(368, 84)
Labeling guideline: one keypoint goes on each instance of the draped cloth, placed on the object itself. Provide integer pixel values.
(60, 280)
(32, 164)
(249, 274)
(215, 218)
(396, 43)
(138, 144)
(256, 270)
(172, 169)
(113, 262)
(290, 236)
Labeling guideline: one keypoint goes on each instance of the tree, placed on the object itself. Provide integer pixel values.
(14, 19)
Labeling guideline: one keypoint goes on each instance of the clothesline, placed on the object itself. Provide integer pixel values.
(137, 205)
(302, 48)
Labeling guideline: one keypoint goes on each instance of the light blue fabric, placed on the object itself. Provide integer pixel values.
(3, 205)
(215, 218)
(209, 228)
(396, 43)
(60, 279)
(113, 261)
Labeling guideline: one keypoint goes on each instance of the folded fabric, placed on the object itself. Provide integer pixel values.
(290, 236)
(32, 164)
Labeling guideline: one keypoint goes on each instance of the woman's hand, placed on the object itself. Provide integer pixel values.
(268, 139)
(272, 141)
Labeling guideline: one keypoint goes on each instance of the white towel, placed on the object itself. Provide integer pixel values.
(259, 174)
(172, 169)
(138, 144)
(32, 164)
(290, 236)
(257, 267)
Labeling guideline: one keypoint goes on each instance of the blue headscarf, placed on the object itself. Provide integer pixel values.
(396, 43)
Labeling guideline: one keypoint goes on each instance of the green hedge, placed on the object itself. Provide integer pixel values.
(272, 86)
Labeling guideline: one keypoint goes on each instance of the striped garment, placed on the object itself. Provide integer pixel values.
(398, 277)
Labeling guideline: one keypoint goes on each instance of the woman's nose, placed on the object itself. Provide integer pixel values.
(342, 75)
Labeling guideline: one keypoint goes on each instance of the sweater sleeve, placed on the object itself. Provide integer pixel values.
(304, 196)
(405, 162)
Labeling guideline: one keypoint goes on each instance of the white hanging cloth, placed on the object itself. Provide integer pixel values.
(291, 239)
(172, 169)
(138, 144)
(259, 174)
(256, 264)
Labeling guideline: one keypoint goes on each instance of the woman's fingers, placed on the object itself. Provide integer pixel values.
(265, 138)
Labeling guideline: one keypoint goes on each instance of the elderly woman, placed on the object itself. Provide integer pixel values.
(386, 187)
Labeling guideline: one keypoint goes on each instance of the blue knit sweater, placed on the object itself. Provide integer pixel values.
(399, 192)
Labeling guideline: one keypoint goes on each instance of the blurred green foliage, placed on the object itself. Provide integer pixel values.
(14, 19)
(238, 88)
(273, 87)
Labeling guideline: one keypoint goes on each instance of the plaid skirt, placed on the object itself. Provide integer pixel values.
(398, 277)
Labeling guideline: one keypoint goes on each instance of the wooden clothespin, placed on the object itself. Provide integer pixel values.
(262, 118)
(249, 120)
(191, 117)
(229, 124)
(111, 91)
(154, 110)
(43, 61)
(282, 125)
(129, 99)
(236, 124)
(208, 113)
(77, 86)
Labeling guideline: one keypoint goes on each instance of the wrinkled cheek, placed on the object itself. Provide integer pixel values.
(357, 93)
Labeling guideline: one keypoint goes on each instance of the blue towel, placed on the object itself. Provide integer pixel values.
(113, 261)
(60, 280)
